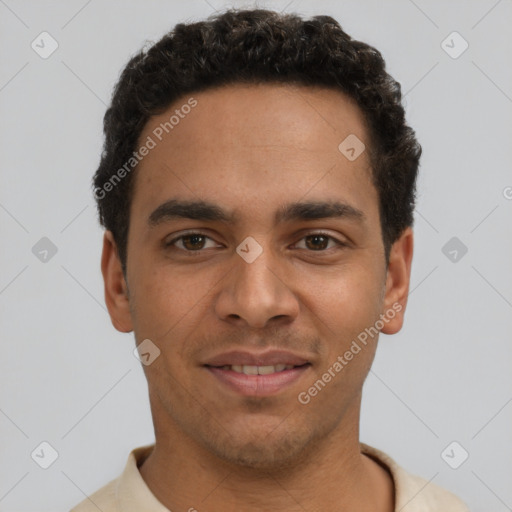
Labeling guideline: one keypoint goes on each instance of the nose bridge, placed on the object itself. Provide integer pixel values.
(252, 275)
(255, 289)
(255, 271)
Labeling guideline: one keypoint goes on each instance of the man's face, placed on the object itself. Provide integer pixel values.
(252, 151)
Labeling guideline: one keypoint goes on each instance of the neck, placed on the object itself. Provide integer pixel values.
(333, 474)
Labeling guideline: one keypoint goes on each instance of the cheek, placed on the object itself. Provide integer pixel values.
(171, 309)
(158, 302)
(345, 299)
(345, 311)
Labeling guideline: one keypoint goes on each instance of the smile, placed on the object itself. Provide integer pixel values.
(258, 370)
(252, 380)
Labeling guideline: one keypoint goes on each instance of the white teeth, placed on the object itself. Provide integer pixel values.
(258, 370)
(265, 370)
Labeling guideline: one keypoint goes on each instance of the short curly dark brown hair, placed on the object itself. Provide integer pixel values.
(259, 46)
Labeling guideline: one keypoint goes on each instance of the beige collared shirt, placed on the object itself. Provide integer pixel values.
(129, 492)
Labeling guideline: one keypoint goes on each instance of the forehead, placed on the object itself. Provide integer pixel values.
(274, 114)
(253, 143)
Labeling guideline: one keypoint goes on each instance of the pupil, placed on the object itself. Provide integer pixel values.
(316, 238)
(194, 238)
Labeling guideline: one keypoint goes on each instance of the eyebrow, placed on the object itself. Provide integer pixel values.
(206, 211)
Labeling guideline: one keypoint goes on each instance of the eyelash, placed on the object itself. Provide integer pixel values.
(170, 244)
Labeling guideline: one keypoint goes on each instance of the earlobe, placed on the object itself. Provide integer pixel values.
(397, 282)
(116, 290)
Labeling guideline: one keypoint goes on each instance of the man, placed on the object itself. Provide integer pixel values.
(257, 188)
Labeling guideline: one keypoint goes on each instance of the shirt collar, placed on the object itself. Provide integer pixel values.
(132, 493)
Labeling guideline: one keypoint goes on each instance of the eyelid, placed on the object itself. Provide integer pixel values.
(327, 235)
(184, 234)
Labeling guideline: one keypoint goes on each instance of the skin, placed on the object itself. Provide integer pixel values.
(251, 149)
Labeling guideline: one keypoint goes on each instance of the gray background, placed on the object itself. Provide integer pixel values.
(70, 379)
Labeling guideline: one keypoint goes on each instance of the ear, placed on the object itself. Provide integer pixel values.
(116, 290)
(397, 282)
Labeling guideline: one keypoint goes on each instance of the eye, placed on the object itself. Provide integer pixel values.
(190, 242)
(194, 242)
(319, 241)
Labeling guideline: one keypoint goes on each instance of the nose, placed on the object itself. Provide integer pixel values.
(258, 293)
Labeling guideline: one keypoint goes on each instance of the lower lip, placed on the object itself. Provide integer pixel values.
(258, 385)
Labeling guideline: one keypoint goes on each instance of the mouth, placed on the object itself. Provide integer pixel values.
(258, 370)
(257, 380)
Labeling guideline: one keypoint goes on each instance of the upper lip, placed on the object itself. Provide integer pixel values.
(268, 358)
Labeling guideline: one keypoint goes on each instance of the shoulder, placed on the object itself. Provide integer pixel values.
(414, 493)
(103, 499)
(126, 492)
(421, 495)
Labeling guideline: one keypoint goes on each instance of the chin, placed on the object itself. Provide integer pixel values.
(263, 452)
(256, 456)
